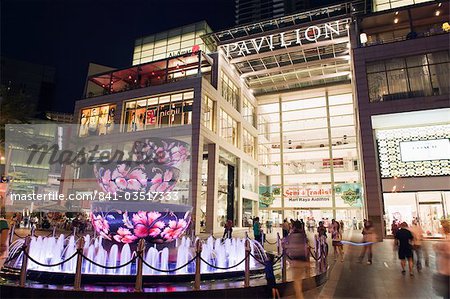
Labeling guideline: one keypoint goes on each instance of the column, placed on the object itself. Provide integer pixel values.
(211, 188)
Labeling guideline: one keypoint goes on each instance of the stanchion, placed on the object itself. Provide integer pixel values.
(23, 270)
(247, 264)
(33, 231)
(278, 244)
(140, 264)
(75, 232)
(11, 234)
(283, 268)
(77, 281)
(198, 251)
(54, 231)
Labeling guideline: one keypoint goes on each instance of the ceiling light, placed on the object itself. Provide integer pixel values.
(396, 13)
(440, 4)
(437, 13)
(396, 20)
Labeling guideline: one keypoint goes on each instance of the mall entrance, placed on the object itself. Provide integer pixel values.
(428, 207)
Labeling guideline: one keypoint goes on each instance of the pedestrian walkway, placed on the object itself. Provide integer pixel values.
(382, 279)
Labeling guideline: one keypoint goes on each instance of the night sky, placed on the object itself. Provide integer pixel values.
(68, 34)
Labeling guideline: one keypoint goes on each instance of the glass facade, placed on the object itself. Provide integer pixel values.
(228, 128)
(208, 109)
(249, 111)
(230, 92)
(310, 157)
(413, 76)
(249, 175)
(170, 43)
(248, 143)
(158, 111)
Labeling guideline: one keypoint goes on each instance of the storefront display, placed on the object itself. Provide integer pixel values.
(97, 120)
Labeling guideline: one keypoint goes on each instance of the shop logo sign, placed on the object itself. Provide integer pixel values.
(280, 40)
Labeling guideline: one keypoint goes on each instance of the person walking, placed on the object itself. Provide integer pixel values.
(441, 280)
(295, 246)
(257, 230)
(270, 277)
(228, 231)
(321, 230)
(336, 238)
(403, 238)
(369, 236)
(354, 222)
(417, 232)
(285, 228)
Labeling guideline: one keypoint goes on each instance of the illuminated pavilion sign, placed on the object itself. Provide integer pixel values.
(283, 39)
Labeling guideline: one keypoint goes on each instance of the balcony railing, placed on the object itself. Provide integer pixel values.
(149, 74)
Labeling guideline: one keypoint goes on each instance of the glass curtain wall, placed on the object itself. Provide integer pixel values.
(312, 166)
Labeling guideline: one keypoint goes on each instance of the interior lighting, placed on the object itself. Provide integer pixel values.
(396, 13)
(437, 13)
(396, 20)
(363, 38)
(440, 4)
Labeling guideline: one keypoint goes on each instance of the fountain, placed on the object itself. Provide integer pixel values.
(53, 250)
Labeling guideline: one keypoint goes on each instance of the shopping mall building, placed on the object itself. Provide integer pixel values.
(329, 113)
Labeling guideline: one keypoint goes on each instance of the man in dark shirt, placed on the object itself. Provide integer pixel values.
(403, 239)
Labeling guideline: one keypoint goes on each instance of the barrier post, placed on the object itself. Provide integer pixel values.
(11, 234)
(283, 268)
(140, 264)
(77, 281)
(198, 251)
(278, 244)
(54, 231)
(75, 231)
(23, 270)
(247, 264)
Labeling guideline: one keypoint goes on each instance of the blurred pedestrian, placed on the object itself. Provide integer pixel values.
(269, 226)
(285, 228)
(417, 232)
(441, 280)
(341, 223)
(404, 238)
(336, 238)
(355, 222)
(369, 237)
(321, 230)
(295, 246)
(270, 277)
(257, 230)
(228, 230)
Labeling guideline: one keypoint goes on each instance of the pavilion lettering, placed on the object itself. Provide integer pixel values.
(283, 39)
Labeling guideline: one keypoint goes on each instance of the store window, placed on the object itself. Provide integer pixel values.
(379, 5)
(159, 111)
(248, 142)
(97, 120)
(248, 112)
(208, 109)
(230, 92)
(413, 76)
(228, 128)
